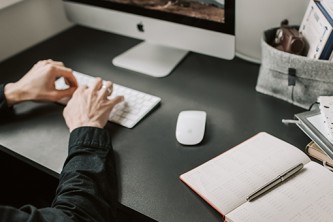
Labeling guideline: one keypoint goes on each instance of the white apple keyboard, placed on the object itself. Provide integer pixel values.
(128, 113)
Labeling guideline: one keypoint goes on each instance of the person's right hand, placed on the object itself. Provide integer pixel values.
(90, 106)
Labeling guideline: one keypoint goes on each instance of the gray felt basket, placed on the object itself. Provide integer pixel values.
(296, 79)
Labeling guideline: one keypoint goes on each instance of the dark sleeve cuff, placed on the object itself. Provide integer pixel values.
(91, 137)
(4, 109)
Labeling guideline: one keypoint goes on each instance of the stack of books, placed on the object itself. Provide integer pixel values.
(317, 29)
(318, 125)
(313, 150)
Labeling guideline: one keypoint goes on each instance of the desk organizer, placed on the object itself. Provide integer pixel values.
(296, 79)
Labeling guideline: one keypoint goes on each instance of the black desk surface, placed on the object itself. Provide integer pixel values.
(149, 159)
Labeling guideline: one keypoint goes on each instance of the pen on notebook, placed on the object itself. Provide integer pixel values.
(270, 185)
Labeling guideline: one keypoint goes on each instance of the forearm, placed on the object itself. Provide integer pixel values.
(87, 186)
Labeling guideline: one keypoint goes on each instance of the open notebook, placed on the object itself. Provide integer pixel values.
(227, 180)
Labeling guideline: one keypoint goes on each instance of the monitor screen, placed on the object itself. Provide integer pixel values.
(203, 26)
(207, 14)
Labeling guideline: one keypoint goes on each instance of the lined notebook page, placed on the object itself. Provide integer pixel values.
(226, 181)
(305, 197)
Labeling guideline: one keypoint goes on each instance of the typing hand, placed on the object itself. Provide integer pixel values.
(38, 83)
(89, 106)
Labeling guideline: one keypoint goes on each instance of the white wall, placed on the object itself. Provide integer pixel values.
(255, 16)
(29, 22)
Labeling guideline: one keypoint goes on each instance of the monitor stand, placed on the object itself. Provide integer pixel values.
(150, 59)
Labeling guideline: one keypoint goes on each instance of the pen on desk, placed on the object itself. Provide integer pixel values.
(270, 185)
(290, 121)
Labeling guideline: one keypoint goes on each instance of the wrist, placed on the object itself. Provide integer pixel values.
(13, 94)
(86, 124)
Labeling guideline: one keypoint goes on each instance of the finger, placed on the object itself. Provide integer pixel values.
(67, 74)
(59, 94)
(41, 63)
(106, 89)
(116, 100)
(57, 63)
(97, 84)
(50, 61)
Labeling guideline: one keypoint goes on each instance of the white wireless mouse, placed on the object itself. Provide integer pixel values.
(190, 127)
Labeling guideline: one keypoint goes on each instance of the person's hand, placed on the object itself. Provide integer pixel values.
(89, 106)
(39, 83)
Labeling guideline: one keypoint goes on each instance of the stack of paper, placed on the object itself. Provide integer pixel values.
(326, 110)
(317, 29)
(328, 5)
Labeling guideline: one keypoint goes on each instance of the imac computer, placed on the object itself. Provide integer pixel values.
(168, 28)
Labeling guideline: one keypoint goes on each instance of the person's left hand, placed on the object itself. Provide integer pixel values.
(39, 83)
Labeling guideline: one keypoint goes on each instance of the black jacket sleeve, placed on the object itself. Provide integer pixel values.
(5, 111)
(87, 186)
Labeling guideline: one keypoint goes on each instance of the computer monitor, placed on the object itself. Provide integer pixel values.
(169, 28)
